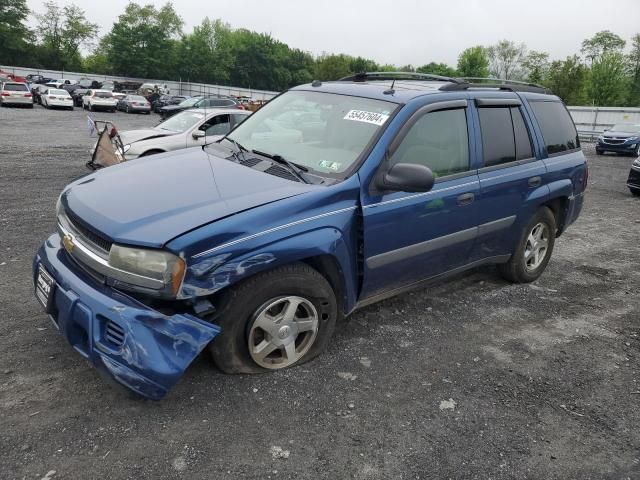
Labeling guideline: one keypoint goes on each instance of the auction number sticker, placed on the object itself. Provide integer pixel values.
(367, 117)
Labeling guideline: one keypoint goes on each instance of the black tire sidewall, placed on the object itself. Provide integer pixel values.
(239, 304)
(516, 266)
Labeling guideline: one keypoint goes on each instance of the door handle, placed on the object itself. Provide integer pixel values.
(466, 199)
(535, 181)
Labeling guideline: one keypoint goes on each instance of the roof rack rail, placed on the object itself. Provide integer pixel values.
(364, 76)
(464, 83)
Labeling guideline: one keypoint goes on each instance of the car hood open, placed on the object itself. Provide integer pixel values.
(152, 200)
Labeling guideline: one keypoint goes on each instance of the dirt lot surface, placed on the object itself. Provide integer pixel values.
(475, 378)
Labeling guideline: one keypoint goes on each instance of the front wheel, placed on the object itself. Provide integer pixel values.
(274, 320)
(599, 152)
(635, 191)
(534, 249)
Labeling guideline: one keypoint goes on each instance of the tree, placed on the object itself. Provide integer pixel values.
(62, 31)
(608, 86)
(332, 67)
(536, 65)
(601, 43)
(14, 34)
(505, 58)
(438, 69)
(634, 72)
(143, 41)
(568, 79)
(473, 62)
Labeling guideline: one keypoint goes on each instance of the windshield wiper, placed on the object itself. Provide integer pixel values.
(296, 169)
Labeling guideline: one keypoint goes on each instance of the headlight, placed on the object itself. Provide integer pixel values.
(636, 162)
(157, 264)
(126, 148)
(600, 138)
(632, 139)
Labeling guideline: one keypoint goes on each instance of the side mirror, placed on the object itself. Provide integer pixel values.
(406, 177)
(198, 134)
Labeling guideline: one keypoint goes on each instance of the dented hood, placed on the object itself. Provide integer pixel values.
(132, 136)
(151, 200)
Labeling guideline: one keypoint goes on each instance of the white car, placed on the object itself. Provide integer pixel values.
(186, 129)
(62, 81)
(99, 100)
(56, 98)
(15, 93)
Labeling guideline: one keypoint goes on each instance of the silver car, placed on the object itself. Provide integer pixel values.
(186, 129)
(15, 93)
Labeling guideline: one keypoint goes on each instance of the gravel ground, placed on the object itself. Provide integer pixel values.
(474, 378)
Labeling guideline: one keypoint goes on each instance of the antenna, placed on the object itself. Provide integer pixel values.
(390, 91)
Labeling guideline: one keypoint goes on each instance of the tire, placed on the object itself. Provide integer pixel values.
(599, 152)
(90, 107)
(279, 290)
(636, 152)
(635, 192)
(31, 106)
(127, 109)
(524, 270)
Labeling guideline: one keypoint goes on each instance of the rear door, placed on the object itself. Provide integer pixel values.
(409, 237)
(511, 173)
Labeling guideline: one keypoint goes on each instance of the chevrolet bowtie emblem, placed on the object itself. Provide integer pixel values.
(67, 242)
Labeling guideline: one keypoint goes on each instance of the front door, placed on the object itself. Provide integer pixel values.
(409, 237)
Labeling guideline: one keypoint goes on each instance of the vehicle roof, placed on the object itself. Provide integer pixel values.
(404, 90)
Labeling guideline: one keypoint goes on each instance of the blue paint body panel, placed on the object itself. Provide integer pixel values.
(229, 222)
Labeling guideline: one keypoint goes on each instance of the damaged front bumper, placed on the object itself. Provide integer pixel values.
(139, 347)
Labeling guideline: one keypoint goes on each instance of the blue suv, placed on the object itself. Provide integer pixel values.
(331, 197)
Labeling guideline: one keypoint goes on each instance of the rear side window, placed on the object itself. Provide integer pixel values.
(504, 135)
(438, 140)
(557, 127)
(15, 87)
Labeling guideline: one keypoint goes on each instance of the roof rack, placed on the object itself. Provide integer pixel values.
(464, 83)
(364, 76)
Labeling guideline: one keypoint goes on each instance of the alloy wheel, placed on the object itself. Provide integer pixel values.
(537, 245)
(282, 332)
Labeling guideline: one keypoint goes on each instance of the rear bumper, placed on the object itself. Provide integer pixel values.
(139, 108)
(17, 100)
(574, 208)
(103, 106)
(139, 347)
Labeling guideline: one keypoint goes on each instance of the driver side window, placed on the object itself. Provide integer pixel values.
(438, 140)
(218, 125)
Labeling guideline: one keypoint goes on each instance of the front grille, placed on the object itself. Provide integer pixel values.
(114, 334)
(614, 141)
(282, 173)
(87, 235)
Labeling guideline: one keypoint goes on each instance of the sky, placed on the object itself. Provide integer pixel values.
(402, 32)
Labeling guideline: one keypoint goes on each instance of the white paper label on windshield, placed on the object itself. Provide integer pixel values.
(367, 117)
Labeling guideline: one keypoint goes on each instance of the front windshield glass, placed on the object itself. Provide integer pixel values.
(181, 122)
(321, 131)
(626, 127)
(190, 102)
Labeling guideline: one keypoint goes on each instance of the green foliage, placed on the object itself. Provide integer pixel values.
(633, 61)
(473, 62)
(505, 58)
(536, 65)
(333, 67)
(438, 69)
(143, 41)
(61, 32)
(568, 79)
(601, 43)
(14, 35)
(608, 85)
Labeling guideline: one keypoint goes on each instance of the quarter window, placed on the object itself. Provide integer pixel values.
(504, 135)
(438, 140)
(557, 127)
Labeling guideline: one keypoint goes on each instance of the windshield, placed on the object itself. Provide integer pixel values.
(103, 95)
(190, 102)
(181, 122)
(16, 87)
(321, 131)
(626, 127)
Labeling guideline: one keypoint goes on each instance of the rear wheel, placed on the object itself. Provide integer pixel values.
(534, 249)
(151, 152)
(635, 192)
(599, 152)
(274, 320)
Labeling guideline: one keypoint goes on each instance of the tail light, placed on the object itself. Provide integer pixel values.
(239, 106)
(51, 97)
(28, 95)
(5, 94)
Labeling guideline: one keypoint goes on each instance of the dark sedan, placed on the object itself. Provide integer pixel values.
(621, 138)
(633, 182)
(77, 95)
(200, 102)
(165, 100)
